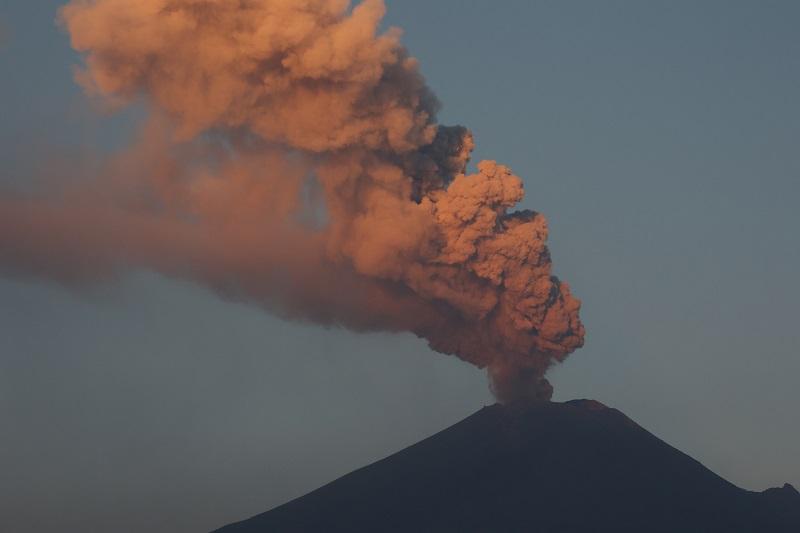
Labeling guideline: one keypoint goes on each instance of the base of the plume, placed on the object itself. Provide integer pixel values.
(512, 385)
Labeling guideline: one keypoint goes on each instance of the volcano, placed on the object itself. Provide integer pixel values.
(574, 467)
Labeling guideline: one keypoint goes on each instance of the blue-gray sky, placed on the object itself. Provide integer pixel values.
(658, 138)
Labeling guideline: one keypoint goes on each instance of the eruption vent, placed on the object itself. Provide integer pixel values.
(292, 158)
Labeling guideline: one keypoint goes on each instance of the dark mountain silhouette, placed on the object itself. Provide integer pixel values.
(551, 468)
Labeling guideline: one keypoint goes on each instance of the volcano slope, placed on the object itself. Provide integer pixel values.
(567, 467)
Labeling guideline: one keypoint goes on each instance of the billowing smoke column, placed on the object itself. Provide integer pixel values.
(292, 159)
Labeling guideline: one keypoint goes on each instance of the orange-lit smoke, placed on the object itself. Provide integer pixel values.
(292, 159)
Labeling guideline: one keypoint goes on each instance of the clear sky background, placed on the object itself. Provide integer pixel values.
(659, 138)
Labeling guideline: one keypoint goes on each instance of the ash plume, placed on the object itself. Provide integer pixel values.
(264, 114)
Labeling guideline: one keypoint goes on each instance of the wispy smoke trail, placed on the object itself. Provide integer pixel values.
(257, 104)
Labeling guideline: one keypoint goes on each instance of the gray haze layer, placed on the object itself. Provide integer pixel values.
(661, 143)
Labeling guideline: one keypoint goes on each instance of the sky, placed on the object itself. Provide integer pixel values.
(659, 141)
